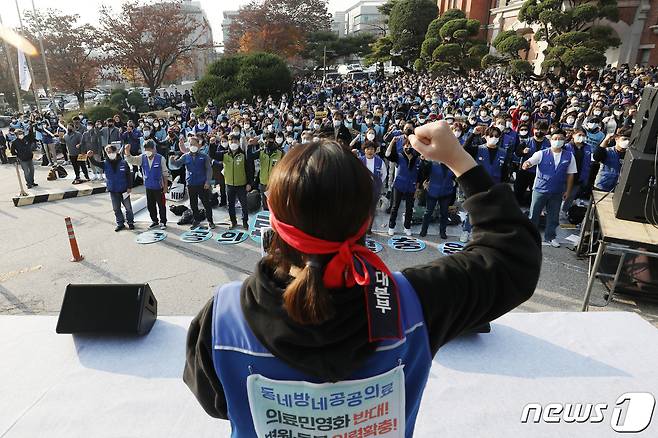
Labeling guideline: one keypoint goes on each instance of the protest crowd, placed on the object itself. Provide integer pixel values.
(506, 124)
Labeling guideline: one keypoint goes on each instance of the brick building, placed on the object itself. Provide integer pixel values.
(637, 27)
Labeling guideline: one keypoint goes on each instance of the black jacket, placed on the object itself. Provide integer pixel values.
(22, 148)
(495, 273)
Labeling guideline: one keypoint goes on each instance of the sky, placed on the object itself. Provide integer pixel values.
(88, 10)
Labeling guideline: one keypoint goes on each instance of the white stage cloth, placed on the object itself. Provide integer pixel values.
(89, 386)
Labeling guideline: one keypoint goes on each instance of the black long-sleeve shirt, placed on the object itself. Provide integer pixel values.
(497, 271)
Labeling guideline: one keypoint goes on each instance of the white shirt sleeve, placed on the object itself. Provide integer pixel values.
(535, 159)
(572, 166)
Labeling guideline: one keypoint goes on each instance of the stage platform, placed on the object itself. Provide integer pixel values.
(58, 386)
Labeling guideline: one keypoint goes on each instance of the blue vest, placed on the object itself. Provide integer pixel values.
(509, 139)
(534, 147)
(551, 179)
(583, 172)
(237, 353)
(441, 181)
(196, 169)
(152, 174)
(494, 169)
(609, 171)
(405, 180)
(116, 180)
(377, 175)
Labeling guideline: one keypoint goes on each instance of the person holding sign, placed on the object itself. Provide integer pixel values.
(262, 351)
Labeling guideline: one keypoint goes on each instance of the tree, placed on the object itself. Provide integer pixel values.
(284, 40)
(262, 17)
(572, 30)
(508, 44)
(73, 51)
(408, 22)
(150, 37)
(380, 52)
(316, 42)
(451, 44)
(238, 77)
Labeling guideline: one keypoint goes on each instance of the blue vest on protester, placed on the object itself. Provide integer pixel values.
(609, 171)
(377, 175)
(115, 179)
(509, 139)
(441, 181)
(237, 353)
(196, 169)
(551, 179)
(583, 172)
(405, 179)
(494, 169)
(534, 147)
(152, 174)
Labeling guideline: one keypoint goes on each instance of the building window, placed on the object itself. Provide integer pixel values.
(644, 56)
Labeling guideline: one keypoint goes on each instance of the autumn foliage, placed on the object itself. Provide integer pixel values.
(284, 40)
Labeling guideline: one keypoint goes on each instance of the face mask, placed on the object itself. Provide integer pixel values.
(194, 149)
(279, 140)
(224, 144)
(89, 128)
(457, 133)
(21, 136)
(156, 124)
(288, 128)
(619, 113)
(500, 126)
(483, 114)
(492, 141)
(148, 153)
(623, 143)
(523, 133)
(316, 126)
(370, 136)
(508, 124)
(571, 120)
(147, 133)
(592, 126)
(597, 113)
(112, 155)
(525, 117)
(234, 146)
(337, 123)
(557, 144)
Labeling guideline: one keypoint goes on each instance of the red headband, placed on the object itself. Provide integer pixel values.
(348, 267)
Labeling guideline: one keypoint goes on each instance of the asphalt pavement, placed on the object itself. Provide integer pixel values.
(35, 253)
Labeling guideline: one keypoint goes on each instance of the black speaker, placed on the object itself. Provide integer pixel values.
(634, 198)
(645, 130)
(108, 308)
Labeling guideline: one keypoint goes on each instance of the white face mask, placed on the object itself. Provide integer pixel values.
(148, 153)
(234, 146)
(457, 133)
(279, 140)
(571, 120)
(500, 126)
(623, 143)
(289, 128)
(370, 136)
(557, 144)
(523, 133)
(579, 138)
(492, 141)
(194, 149)
(224, 144)
(112, 155)
(289, 140)
(525, 117)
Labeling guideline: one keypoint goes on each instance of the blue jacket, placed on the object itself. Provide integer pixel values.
(442, 181)
(153, 173)
(237, 354)
(116, 177)
(134, 140)
(609, 171)
(551, 179)
(406, 177)
(196, 168)
(494, 169)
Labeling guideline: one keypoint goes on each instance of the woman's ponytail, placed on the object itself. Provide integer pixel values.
(305, 299)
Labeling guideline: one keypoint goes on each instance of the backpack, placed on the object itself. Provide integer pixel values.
(253, 201)
(178, 210)
(576, 214)
(61, 172)
(186, 218)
